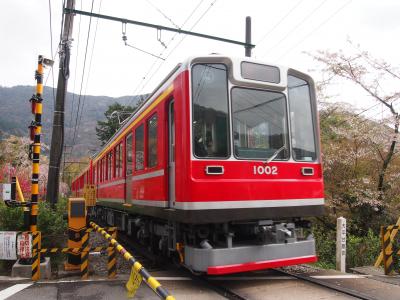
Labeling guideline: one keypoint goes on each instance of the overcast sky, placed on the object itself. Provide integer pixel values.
(282, 31)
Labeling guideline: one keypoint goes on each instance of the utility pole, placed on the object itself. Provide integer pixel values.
(248, 37)
(57, 137)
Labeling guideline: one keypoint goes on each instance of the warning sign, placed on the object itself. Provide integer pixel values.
(133, 283)
(8, 243)
(24, 245)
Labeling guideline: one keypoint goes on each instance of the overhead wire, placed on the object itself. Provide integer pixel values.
(75, 77)
(279, 22)
(82, 79)
(162, 52)
(177, 45)
(294, 28)
(300, 41)
(90, 67)
(163, 14)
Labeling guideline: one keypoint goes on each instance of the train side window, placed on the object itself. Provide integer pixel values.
(118, 160)
(139, 148)
(128, 154)
(104, 169)
(152, 141)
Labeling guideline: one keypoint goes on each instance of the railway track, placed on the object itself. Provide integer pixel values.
(328, 285)
(154, 262)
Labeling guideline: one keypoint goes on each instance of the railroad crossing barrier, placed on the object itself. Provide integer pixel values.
(392, 236)
(138, 271)
(390, 249)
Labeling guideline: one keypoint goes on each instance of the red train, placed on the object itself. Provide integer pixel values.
(219, 167)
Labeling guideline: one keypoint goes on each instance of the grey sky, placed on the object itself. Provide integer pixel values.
(118, 70)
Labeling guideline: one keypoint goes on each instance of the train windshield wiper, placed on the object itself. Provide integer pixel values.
(275, 154)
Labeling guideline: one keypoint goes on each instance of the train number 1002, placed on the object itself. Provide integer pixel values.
(268, 170)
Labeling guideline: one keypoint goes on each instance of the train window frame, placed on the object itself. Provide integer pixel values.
(140, 126)
(147, 141)
(228, 123)
(313, 111)
(125, 159)
(288, 133)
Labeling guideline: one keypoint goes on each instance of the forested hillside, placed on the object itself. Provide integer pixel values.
(16, 115)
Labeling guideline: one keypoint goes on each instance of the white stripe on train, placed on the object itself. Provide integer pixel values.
(225, 204)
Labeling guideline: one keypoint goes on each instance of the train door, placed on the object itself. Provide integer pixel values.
(171, 154)
(128, 168)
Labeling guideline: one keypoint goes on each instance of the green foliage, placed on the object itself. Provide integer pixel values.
(115, 115)
(11, 219)
(50, 222)
(52, 225)
(361, 250)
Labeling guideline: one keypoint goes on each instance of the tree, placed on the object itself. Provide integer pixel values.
(115, 115)
(376, 78)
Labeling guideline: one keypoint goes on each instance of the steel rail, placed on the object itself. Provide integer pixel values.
(331, 286)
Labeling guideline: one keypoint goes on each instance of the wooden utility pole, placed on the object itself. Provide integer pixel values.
(57, 137)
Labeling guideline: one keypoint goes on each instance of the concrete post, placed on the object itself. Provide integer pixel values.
(341, 244)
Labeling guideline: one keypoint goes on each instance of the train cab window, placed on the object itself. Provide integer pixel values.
(128, 154)
(139, 148)
(259, 124)
(210, 110)
(152, 141)
(301, 120)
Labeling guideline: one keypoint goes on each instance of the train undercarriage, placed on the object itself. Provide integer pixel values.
(218, 248)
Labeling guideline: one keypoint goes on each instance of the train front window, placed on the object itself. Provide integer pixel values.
(301, 120)
(210, 111)
(259, 124)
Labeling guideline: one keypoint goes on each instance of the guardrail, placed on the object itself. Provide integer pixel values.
(138, 271)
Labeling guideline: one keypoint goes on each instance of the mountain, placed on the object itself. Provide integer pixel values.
(16, 116)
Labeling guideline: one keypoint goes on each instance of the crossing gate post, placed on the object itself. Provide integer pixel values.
(85, 256)
(387, 250)
(112, 258)
(76, 231)
(36, 237)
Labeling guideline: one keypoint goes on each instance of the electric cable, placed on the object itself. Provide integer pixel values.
(75, 77)
(82, 80)
(155, 61)
(176, 46)
(298, 25)
(300, 41)
(279, 22)
(163, 14)
(90, 67)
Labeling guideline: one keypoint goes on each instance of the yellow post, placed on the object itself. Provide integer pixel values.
(392, 236)
(26, 208)
(36, 127)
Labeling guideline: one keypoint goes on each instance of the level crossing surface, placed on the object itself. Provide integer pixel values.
(255, 285)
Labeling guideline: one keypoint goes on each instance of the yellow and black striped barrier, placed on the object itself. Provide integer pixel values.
(85, 256)
(388, 248)
(138, 271)
(36, 236)
(112, 255)
(47, 251)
